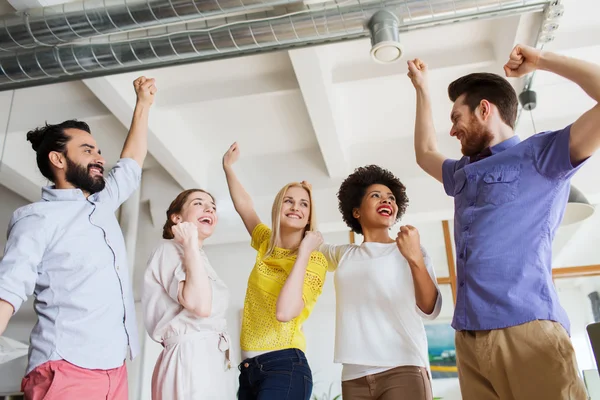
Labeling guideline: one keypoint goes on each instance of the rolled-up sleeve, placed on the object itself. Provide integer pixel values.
(121, 182)
(23, 255)
(448, 169)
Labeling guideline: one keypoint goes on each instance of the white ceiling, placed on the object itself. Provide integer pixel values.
(312, 113)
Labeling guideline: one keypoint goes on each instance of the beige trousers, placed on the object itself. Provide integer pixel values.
(400, 383)
(532, 361)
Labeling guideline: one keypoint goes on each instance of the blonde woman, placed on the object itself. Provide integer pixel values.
(283, 287)
(184, 305)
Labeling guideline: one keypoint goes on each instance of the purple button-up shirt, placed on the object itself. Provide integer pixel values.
(507, 209)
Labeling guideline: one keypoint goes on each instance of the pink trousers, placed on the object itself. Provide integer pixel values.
(62, 380)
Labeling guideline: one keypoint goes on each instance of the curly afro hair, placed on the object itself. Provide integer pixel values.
(354, 187)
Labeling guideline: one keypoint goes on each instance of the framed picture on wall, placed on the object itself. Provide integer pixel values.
(441, 350)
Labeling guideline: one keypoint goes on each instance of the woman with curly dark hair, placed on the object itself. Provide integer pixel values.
(384, 287)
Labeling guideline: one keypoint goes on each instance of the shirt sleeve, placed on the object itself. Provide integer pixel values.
(314, 279)
(552, 154)
(438, 303)
(448, 170)
(260, 234)
(167, 264)
(333, 254)
(121, 182)
(23, 255)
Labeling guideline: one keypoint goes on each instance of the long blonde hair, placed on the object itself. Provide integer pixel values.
(276, 217)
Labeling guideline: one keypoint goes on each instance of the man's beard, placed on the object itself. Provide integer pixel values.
(477, 138)
(79, 176)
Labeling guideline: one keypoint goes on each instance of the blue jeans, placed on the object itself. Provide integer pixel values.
(278, 375)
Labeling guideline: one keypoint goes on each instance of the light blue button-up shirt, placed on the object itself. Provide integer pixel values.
(69, 251)
(507, 209)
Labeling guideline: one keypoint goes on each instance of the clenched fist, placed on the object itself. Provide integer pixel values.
(186, 233)
(521, 61)
(311, 242)
(409, 243)
(145, 90)
(417, 72)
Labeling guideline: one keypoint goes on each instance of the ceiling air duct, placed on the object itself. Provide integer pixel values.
(140, 49)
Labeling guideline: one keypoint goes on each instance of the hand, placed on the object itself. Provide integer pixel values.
(231, 156)
(522, 60)
(409, 243)
(311, 242)
(186, 233)
(145, 90)
(417, 72)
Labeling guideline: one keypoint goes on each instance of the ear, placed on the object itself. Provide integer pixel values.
(356, 213)
(484, 109)
(57, 159)
(176, 218)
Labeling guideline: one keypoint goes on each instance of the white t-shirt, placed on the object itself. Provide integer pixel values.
(378, 322)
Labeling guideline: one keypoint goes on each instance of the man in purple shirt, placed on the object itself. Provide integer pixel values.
(512, 339)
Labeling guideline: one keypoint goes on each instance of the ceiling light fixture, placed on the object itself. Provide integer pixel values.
(385, 37)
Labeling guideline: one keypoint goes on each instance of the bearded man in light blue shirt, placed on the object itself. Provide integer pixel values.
(68, 251)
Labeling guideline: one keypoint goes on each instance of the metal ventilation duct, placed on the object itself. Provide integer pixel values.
(73, 21)
(237, 36)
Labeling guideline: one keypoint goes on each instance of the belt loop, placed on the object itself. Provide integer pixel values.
(299, 354)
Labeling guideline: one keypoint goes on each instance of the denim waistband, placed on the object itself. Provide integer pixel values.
(286, 354)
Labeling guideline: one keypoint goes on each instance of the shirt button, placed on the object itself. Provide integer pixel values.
(466, 228)
(461, 256)
(471, 204)
(462, 284)
(117, 267)
(246, 365)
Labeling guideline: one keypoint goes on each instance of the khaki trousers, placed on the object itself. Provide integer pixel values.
(535, 360)
(400, 383)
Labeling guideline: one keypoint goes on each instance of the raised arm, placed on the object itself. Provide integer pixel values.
(241, 199)
(136, 143)
(426, 151)
(290, 302)
(6, 311)
(584, 138)
(409, 244)
(195, 292)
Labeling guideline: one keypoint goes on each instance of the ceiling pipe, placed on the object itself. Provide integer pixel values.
(118, 54)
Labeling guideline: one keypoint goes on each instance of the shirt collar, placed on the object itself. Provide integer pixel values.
(500, 147)
(505, 145)
(50, 193)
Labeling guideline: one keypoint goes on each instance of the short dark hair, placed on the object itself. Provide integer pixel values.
(353, 189)
(49, 138)
(491, 87)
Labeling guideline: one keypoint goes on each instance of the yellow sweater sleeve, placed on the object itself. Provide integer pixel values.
(260, 234)
(314, 279)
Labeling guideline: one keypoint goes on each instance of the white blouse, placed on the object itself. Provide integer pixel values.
(378, 322)
(163, 315)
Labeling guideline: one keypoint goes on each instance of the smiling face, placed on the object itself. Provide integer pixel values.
(473, 135)
(200, 209)
(378, 208)
(84, 164)
(295, 208)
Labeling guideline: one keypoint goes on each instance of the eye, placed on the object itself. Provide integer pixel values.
(375, 195)
(304, 204)
(392, 198)
(287, 201)
(88, 151)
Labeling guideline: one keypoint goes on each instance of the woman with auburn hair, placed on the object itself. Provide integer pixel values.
(184, 305)
(284, 285)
